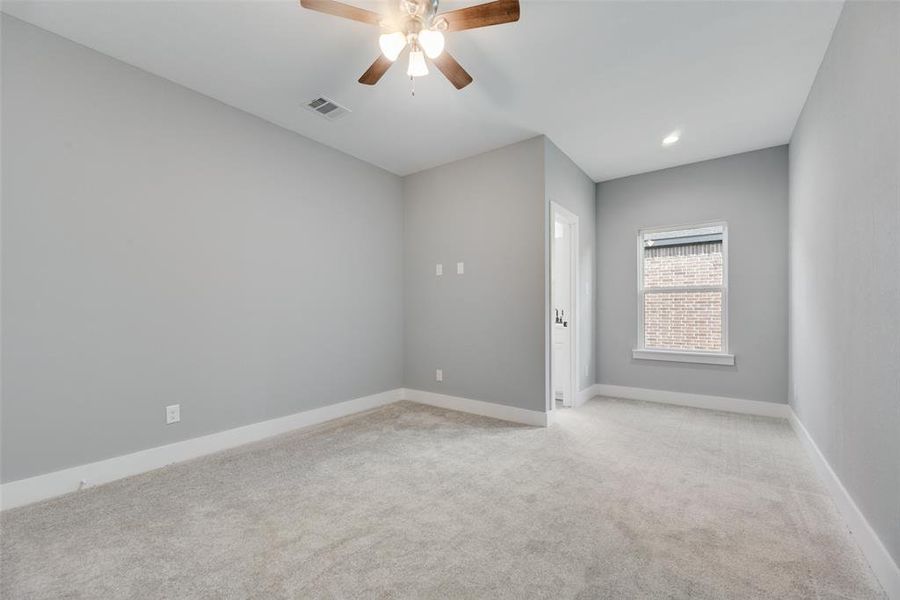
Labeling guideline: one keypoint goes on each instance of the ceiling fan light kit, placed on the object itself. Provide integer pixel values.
(392, 44)
(432, 42)
(417, 66)
(418, 26)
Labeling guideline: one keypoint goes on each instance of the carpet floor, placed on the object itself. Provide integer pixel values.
(618, 499)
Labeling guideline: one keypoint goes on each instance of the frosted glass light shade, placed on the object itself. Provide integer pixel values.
(417, 66)
(432, 42)
(392, 44)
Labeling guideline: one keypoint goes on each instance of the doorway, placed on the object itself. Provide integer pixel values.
(563, 307)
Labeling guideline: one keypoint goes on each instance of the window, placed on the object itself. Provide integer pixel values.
(683, 294)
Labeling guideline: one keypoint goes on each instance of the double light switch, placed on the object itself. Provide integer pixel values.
(439, 269)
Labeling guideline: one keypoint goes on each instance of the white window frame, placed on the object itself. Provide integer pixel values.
(711, 358)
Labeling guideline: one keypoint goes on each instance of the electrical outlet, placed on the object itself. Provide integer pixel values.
(439, 269)
(438, 374)
(173, 414)
(460, 268)
(586, 367)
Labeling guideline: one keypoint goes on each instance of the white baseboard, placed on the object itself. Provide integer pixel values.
(585, 395)
(885, 569)
(478, 407)
(735, 405)
(49, 485)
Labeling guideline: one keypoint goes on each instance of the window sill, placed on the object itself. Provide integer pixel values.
(707, 358)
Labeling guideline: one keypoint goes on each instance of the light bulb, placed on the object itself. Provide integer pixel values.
(432, 42)
(417, 66)
(392, 44)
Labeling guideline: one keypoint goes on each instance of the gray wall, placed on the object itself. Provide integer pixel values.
(749, 191)
(486, 328)
(567, 185)
(845, 262)
(159, 247)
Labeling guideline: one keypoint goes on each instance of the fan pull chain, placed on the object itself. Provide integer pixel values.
(412, 81)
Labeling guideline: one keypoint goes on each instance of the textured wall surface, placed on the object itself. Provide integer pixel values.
(749, 192)
(567, 185)
(162, 248)
(845, 262)
(485, 328)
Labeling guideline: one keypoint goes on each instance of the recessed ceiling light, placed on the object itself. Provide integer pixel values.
(671, 138)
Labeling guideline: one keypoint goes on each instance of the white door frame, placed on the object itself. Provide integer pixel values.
(560, 213)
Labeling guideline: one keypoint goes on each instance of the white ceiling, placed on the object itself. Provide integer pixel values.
(606, 81)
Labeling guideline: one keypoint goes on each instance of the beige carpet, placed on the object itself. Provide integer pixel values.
(619, 499)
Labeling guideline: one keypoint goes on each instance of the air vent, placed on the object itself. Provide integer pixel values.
(329, 109)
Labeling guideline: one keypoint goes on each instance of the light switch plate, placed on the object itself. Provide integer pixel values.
(173, 414)
(439, 269)
(438, 374)
(460, 268)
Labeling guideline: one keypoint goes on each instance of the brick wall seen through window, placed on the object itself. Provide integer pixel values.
(683, 289)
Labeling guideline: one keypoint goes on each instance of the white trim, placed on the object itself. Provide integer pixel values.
(584, 395)
(683, 289)
(723, 288)
(479, 407)
(708, 358)
(885, 569)
(735, 405)
(572, 220)
(880, 561)
(49, 485)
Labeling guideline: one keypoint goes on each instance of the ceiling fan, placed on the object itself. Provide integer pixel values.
(416, 24)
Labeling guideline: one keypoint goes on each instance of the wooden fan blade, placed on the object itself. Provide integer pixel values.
(374, 73)
(482, 15)
(452, 70)
(339, 9)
